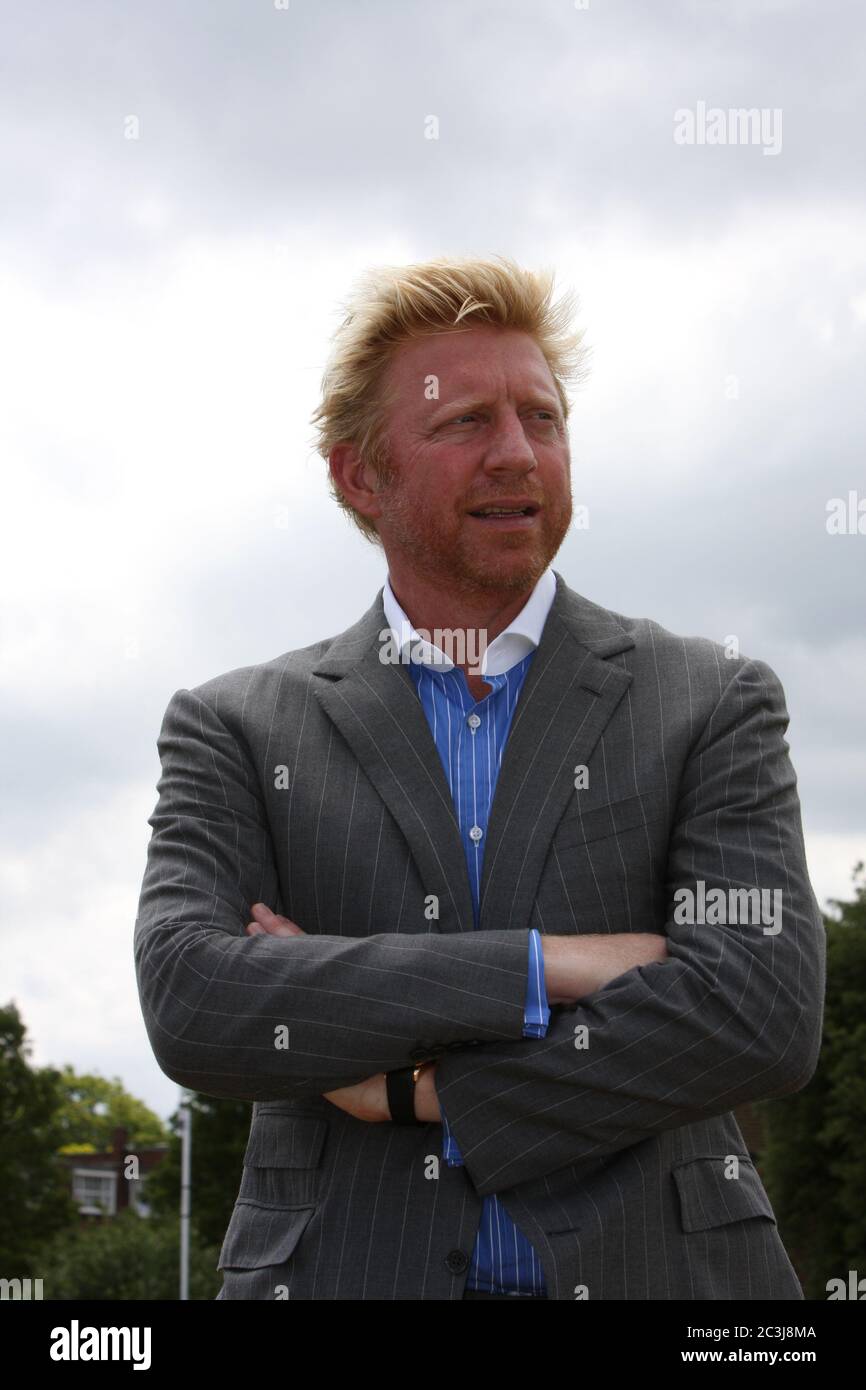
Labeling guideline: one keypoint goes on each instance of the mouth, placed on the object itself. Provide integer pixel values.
(506, 516)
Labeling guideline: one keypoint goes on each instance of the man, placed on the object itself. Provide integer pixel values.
(496, 904)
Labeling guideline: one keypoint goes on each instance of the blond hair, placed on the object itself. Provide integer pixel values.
(392, 304)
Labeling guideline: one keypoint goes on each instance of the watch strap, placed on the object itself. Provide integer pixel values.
(400, 1086)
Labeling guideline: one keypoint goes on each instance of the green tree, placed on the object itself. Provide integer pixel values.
(34, 1184)
(814, 1162)
(94, 1106)
(124, 1258)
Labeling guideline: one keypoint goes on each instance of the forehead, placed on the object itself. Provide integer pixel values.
(474, 359)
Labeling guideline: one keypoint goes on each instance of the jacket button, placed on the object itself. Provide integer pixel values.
(456, 1261)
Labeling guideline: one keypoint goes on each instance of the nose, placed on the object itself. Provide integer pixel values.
(508, 448)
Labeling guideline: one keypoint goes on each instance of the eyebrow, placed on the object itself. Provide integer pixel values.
(463, 404)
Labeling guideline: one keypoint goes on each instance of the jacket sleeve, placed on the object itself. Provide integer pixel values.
(267, 1018)
(536, 1019)
(733, 1015)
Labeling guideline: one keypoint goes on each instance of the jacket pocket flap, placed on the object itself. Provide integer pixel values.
(260, 1236)
(577, 826)
(285, 1141)
(708, 1198)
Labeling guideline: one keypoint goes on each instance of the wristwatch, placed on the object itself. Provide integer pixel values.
(400, 1086)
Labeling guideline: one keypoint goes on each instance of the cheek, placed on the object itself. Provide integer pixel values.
(559, 496)
(442, 494)
(433, 505)
(555, 473)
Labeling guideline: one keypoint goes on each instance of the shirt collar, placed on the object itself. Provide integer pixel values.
(522, 635)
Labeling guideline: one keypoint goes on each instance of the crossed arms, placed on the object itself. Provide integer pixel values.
(729, 1015)
(572, 967)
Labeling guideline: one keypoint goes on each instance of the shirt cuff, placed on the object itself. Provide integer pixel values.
(536, 1015)
(450, 1148)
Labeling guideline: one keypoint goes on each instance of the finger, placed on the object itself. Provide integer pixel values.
(268, 919)
(273, 922)
(262, 912)
(278, 926)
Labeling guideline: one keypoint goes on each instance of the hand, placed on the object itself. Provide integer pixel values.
(366, 1100)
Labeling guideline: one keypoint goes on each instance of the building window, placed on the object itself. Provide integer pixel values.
(95, 1192)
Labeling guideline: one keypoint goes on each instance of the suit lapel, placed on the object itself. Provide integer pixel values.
(569, 694)
(375, 706)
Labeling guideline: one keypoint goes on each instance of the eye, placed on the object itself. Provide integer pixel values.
(547, 416)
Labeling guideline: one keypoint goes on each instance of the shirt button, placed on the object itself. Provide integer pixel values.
(475, 833)
(456, 1261)
(473, 721)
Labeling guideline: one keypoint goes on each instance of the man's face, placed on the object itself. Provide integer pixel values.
(494, 436)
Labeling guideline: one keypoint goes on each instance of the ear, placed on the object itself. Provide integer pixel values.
(354, 478)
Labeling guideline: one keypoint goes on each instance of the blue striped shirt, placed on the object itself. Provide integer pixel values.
(470, 737)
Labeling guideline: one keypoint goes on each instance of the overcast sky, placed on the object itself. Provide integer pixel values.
(189, 191)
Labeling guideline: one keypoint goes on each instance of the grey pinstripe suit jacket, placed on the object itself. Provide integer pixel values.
(312, 782)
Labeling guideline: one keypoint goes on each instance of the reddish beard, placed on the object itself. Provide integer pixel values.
(446, 543)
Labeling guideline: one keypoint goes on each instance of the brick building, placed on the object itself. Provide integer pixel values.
(104, 1184)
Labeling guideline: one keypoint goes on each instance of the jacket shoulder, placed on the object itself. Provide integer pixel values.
(671, 650)
(232, 690)
(699, 667)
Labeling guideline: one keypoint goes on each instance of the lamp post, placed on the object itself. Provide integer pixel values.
(185, 1168)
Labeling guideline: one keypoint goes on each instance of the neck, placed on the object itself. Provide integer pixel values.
(430, 605)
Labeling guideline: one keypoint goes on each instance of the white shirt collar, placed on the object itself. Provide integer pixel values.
(522, 635)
